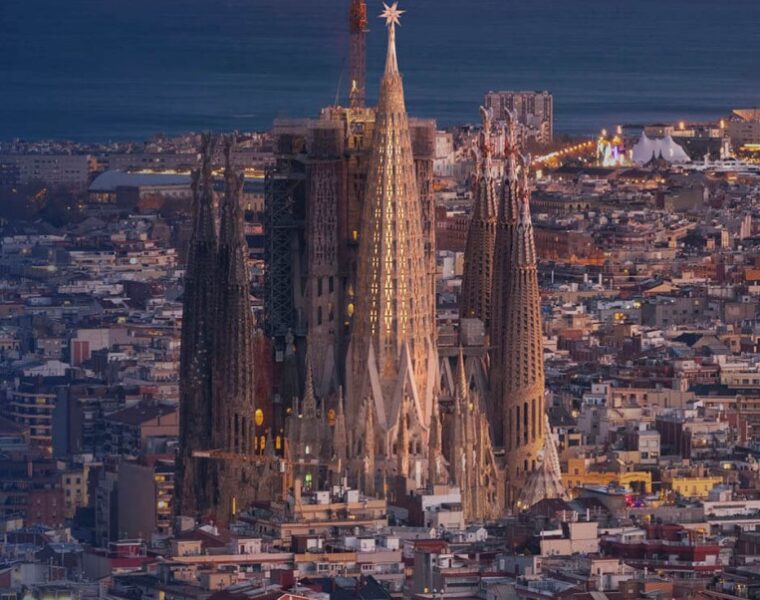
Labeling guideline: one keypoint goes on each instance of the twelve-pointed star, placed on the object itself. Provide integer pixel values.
(392, 14)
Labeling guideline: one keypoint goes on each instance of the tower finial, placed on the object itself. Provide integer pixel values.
(485, 136)
(392, 16)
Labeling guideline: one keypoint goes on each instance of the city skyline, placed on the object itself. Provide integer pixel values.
(365, 353)
(229, 68)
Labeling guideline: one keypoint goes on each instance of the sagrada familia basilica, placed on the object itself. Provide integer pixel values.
(366, 395)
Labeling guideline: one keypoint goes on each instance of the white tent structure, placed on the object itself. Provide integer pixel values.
(646, 149)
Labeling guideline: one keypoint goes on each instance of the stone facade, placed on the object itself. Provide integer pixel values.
(517, 371)
(193, 475)
(221, 431)
(391, 364)
(475, 300)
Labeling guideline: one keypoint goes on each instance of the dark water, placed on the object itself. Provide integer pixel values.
(114, 69)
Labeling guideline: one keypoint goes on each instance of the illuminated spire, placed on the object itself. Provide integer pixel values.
(392, 16)
(391, 356)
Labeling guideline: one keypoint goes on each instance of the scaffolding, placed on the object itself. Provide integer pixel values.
(283, 223)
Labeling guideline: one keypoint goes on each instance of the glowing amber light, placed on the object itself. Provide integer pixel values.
(259, 417)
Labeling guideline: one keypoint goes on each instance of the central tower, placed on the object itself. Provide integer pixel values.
(391, 361)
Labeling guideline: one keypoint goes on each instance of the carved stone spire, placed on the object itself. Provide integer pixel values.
(234, 384)
(462, 384)
(435, 452)
(309, 405)
(475, 299)
(457, 446)
(391, 355)
(506, 224)
(403, 442)
(198, 324)
(340, 442)
(368, 474)
(518, 341)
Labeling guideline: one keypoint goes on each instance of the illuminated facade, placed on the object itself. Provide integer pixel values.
(391, 366)
(579, 474)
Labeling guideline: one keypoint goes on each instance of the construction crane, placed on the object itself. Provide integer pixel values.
(357, 21)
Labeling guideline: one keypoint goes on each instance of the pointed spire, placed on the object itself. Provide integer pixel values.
(475, 300)
(203, 193)
(403, 441)
(233, 247)
(392, 16)
(340, 442)
(517, 367)
(196, 355)
(394, 318)
(309, 400)
(486, 207)
(509, 208)
(391, 344)
(462, 384)
(435, 445)
(340, 401)
(369, 431)
(234, 345)
(369, 448)
(525, 249)
(269, 447)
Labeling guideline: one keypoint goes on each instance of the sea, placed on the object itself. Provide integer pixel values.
(99, 70)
